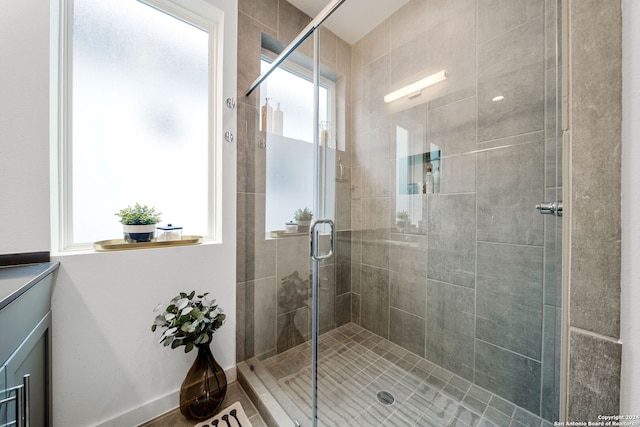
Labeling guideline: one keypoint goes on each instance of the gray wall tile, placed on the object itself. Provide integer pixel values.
(375, 249)
(511, 270)
(594, 369)
(504, 322)
(596, 134)
(375, 81)
(343, 309)
(264, 314)
(512, 65)
(241, 321)
(553, 94)
(498, 16)
(407, 330)
(408, 293)
(451, 230)
(512, 376)
(355, 309)
(374, 300)
(522, 109)
(376, 44)
(290, 22)
(511, 51)
(451, 24)
(408, 254)
(356, 275)
(458, 174)
(450, 327)
(550, 408)
(452, 127)
(509, 297)
(342, 259)
(260, 257)
(409, 59)
(327, 297)
(510, 184)
(553, 24)
(406, 21)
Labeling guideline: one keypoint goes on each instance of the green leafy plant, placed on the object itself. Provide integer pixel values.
(138, 215)
(303, 214)
(403, 215)
(188, 320)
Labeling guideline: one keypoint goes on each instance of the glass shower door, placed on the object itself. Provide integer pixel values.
(453, 275)
(442, 301)
(296, 151)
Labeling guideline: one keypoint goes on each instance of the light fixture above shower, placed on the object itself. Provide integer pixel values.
(415, 89)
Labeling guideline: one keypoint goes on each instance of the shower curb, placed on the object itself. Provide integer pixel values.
(268, 407)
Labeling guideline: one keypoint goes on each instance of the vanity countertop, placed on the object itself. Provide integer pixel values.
(18, 279)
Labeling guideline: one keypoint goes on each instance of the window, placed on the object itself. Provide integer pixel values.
(140, 78)
(289, 181)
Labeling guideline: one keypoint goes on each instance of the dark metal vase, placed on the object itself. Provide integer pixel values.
(204, 387)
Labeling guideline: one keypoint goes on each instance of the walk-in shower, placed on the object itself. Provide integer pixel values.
(441, 303)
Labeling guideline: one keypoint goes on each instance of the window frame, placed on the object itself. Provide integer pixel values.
(198, 13)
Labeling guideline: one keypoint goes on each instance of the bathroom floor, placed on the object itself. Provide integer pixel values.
(355, 365)
(234, 394)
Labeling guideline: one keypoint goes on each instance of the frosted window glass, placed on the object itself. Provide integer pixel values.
(295, 96)
(140, 117)
(289, 180)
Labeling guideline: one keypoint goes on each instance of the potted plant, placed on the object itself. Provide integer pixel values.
(190, 320)
(303, 219)
(138, 223)
(402, 219)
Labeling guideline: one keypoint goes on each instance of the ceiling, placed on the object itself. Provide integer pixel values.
(355, 18)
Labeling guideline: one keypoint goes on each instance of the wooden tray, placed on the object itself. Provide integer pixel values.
(121, 245)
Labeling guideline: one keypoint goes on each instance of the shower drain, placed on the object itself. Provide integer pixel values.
(385, 397)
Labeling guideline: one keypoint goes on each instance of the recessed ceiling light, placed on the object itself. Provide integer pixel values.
(497, 98)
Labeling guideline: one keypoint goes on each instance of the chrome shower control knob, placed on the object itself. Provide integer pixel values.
(550, 208)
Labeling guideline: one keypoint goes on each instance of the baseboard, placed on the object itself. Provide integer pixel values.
(156, 407)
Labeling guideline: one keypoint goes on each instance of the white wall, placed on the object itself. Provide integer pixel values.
(630, 314)
(108, 368)
(106, 360)
(24, 126)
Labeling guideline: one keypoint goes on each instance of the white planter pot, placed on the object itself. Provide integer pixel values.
(139, 233)
(303, 226)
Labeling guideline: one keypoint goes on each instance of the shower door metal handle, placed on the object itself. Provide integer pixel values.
(312, 239)
(22, 400)
(550, 208)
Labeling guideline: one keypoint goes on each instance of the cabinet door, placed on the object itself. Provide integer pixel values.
(32, 358)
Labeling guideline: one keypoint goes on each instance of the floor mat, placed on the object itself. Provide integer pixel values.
(232, 416)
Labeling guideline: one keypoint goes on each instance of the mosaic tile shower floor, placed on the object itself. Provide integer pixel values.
(354, 365)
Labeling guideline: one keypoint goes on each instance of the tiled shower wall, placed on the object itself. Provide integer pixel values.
(476, 289)
(471, 291)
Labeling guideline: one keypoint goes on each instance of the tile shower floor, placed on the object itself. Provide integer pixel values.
(354, 365)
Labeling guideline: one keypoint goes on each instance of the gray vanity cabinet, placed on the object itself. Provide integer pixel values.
(25, 349)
